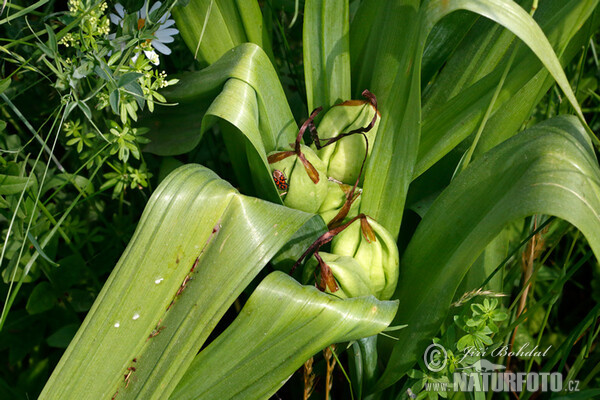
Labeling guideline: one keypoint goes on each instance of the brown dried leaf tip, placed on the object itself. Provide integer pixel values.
(273, 158)
(327, 279)
(328, 237)
(310, 169)
(367, 231)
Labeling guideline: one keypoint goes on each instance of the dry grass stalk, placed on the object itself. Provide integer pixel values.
(309, 378)
(330, 360)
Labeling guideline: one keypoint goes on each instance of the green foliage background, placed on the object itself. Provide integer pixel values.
(452, 181)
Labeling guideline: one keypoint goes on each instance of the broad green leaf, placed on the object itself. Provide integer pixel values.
(548, 169)
(448, 120)
(448, 123)
(150, 310)
(443, 40)
(237, 104)
(493, 254)
(251, 99)
(386, 58)
(326, 52)
(510, 15)
(362, 360)
(210, 28)
(293, 322)
(571, 35)
(175, 129)
(249, 64)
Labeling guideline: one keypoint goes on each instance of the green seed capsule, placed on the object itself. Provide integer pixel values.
(344, 158)
(302, 192)
(351, 277)
(379, 258)
(336, 197)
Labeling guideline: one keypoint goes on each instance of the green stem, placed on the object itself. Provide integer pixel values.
(23, 11)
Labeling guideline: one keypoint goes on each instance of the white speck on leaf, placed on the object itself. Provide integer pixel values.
(136, 316)
(117, 325)
(159, 280)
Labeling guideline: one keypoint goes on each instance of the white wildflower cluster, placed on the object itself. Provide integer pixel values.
(162, 80)
(75, 5)
(161, 36)
(68, 40)
(93, 20)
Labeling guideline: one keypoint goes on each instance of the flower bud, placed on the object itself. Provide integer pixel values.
(351, 277)
(334, 201)
(344, 158)
(375, 250)
(306, 183)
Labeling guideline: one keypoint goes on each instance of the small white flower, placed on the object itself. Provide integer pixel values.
(117, 18)
(164, 33)
(150, 55)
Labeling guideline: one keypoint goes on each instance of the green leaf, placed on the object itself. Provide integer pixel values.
(455, 103)
(60, 180)
(508, 14)
(23, 11)
(114, 99)
(443, 40)
(150, 310)
(251, 99)
(42, 299)
(134, 88)
(548, 169)
(37, 247)
(83, 70)
(62, 337)
(386, 54)
(293, 322)
(249, 64)
(4, 84)
(49, 53)
(103, 72)
(210, 28)
(10, 184)
(85, 109)
(326, 52)
(128, 78)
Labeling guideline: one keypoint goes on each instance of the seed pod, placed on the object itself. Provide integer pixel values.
(344, 157)
(336, 197)
(378, 257)
(306, 182)
(352, 279)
